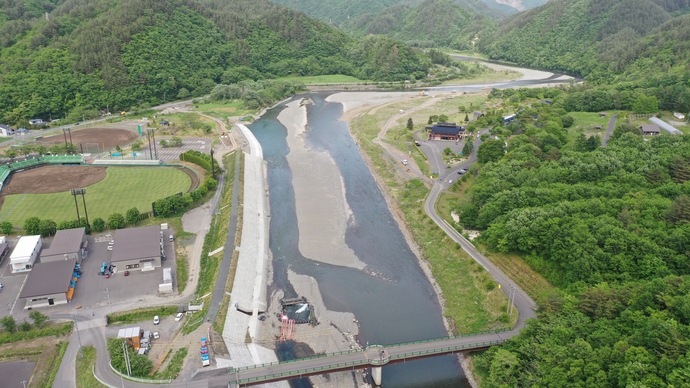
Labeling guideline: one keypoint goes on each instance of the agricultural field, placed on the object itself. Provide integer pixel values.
(223, 109)
(120, 189)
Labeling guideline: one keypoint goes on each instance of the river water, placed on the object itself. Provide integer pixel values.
(397, 305)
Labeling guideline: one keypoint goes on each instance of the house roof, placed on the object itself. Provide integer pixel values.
(48, 278)
(25, 246)
(65, 241)
(136, 243)
(665, 126)
(446, 128)
(646, 128)
(7, 127)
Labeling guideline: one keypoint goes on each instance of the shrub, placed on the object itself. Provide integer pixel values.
(98, 225)
(6, 227)
(116, 221)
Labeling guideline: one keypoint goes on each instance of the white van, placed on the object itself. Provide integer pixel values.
(171, 238)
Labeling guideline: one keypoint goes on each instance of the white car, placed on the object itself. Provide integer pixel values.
(178, 317)
(110, 247)
(156, 320)
(156, 335)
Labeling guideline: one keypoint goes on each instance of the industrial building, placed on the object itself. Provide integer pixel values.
(25, 253)
(49, 284)
(68, 244)
(137, 249)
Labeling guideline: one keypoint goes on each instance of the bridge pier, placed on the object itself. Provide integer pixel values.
(376, 375)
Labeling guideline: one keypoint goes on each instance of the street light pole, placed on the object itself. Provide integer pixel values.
(78, 336)
(76, 205)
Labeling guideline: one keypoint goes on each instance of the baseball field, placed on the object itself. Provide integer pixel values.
(45, 192)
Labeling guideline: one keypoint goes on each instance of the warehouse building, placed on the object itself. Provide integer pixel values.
(137, 249)
(49, 284)
(68, 244)
(25, 253)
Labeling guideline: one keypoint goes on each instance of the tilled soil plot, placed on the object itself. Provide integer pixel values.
(104, 137)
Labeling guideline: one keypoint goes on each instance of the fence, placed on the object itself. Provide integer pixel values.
(137, 379)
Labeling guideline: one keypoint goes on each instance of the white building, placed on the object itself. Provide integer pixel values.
(6, 131)
(24, 254)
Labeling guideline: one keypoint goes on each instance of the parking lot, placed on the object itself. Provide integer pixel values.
(92, 290)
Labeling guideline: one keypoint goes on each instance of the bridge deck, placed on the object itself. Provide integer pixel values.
(375, 355)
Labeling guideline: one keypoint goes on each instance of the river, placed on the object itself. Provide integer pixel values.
(399, 303)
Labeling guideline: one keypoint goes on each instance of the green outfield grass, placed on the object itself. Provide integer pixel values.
(122, 189)
(324, 79)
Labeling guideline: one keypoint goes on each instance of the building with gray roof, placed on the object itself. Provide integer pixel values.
(68, 244)
(49, 284)
(137, 248)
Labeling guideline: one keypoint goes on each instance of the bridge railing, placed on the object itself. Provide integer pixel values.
(447, 338)
(351, 364)
(351, 351)
(304, 371)
(447, 349)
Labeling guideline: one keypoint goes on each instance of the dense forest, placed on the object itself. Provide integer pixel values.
(609, 226)
(597, 39)
(339, 12)
(432, 23)
(78, 57)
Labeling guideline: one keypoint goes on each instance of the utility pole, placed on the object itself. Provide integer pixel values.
(107, 292)
(78, 336)
(213, 175)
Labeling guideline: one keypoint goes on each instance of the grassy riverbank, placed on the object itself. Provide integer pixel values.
(472, 302)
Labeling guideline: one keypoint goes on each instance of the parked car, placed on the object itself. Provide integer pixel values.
(178, 317)
(156, 320)
(110, 247)
(156, 335)
(463, 171)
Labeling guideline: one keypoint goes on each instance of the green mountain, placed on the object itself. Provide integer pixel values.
(594, 38)
(69, 55)
(338, 12)
(429, 24)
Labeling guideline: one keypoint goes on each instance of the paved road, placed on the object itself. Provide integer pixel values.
(609, 129)
(219, 289)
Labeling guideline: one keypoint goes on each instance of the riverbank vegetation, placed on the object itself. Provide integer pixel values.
(606, 226)
(472, 302)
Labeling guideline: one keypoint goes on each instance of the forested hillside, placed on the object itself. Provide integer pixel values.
(609, 226)
(432, 23)
(598, 39)
(339, 12)
(86, 56)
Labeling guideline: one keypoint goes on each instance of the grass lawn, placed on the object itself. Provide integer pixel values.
(85, 377)
(585, 123)
(324, 79)
(223, 109)
(122, 189)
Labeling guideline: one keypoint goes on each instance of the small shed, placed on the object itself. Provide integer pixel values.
(132, 335)
(679, 116)
(49, 284)
(650, 129)
(25, 253)
(445, 131)
(68, 244)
